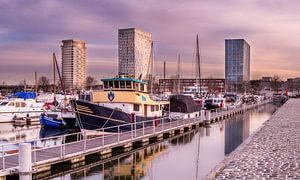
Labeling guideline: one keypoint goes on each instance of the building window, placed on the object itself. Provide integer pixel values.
(136, 107)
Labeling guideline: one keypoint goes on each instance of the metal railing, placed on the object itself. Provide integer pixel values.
(68, 145)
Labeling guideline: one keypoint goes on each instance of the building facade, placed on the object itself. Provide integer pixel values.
(237, 63)
(73, 64)
(134, 53)
(207, 85)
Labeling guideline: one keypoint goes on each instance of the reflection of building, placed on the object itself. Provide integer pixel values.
(73, 63)
(237, 63)
(237, 130)
(134, 52)
(210, 85)
(135, 165)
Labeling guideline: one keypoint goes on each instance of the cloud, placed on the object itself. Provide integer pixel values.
(31, 30)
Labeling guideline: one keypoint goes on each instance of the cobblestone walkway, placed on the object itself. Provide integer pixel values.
(273, 152)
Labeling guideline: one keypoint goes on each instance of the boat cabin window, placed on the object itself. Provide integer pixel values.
(142, 87)
(23, 104)
(116, 84)
(3, 103)
(136, 107)
(105, 85)
(152, 108)
(122, 84)
(136, 86)
(128, 84)
(156, 108)
(111, 84)
(18, 104)
(11, 104)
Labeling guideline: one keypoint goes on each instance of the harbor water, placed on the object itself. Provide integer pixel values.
(191, 155)
(188, 156)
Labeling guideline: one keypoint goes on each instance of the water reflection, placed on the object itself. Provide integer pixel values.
(188, 156)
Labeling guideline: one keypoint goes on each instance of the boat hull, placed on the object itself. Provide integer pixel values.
(51, 122)
(92, 116)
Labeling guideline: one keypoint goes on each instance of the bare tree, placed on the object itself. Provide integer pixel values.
(44, 83)
(90, 82)
(276, 83)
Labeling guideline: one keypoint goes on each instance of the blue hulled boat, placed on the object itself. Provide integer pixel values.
(51, 121)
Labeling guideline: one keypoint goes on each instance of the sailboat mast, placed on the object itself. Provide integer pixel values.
(178, 91)
(151, 61)
(59, 75)
(35, 82)
(164, 76)
(54, 87)
(198, 62)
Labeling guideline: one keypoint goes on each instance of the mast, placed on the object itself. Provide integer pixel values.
(35, 82)
(164, 77)
(152, 59)
(198, 62)
(54, 87)
(59, 75)
(178, 75)
(149, 74)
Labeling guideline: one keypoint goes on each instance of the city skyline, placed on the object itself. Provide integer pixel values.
(31, 30)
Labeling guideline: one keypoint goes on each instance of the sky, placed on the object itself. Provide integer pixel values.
(31, 30)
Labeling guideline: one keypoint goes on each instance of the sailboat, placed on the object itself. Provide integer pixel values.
(57, 116)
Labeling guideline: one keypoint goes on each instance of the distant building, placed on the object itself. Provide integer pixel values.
(207, 85)
(267, 79)
(237, 63)
(134, 52)
(73, 64)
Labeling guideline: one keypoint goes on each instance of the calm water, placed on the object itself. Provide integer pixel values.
(190, 156)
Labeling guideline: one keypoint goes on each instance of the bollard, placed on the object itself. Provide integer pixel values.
(25, 167)
(208, 116)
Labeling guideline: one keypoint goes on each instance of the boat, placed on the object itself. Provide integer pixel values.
(57, 108)
(51, 120)
(16, 108)
(214, 103)
(183, 107)
(122, 101)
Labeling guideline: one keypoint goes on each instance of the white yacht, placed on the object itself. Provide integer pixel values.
(19, 108)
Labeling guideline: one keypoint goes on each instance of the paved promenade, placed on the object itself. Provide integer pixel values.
(273, 152)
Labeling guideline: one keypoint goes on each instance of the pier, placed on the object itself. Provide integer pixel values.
(272, 152)
(74, 148)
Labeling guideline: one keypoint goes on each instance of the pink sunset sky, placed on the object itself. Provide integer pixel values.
(31, 30)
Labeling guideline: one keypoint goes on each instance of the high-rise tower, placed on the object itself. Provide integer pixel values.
(237, 63)
(135, 51)
(73, 64)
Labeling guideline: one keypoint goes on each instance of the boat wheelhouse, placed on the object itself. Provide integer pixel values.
(129, 95)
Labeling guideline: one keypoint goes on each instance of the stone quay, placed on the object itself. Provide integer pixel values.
(272, 152)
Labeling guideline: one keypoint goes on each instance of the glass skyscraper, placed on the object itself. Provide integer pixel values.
(237, 63)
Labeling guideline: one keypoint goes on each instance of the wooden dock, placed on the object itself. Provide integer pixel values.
(75, 147)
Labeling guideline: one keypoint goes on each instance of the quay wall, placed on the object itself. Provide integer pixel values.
(272, 151)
